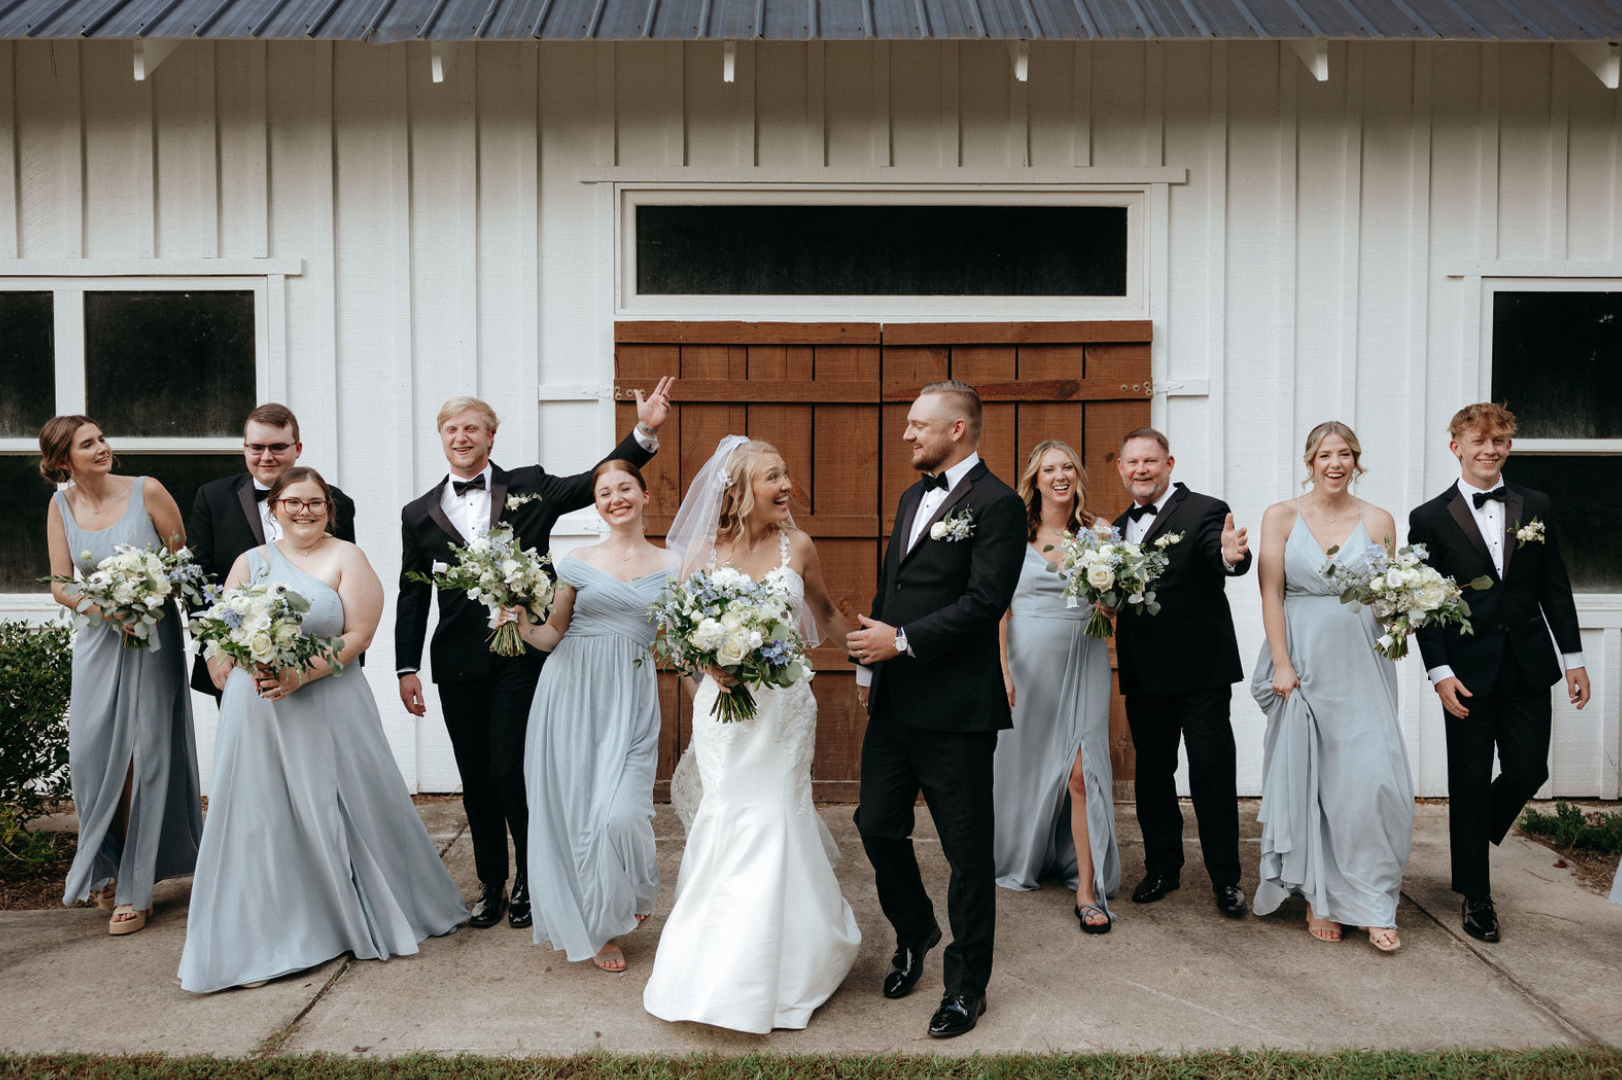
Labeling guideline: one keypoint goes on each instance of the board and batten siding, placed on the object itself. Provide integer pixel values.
(1318, 252)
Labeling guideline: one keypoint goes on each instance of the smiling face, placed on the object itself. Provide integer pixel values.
(1145, 469)
(303, 511)
(933, 431)
(467, 440)
(269, 451)
(1481, 455)
(89, 455)
(1057, 479)
(771, 487)
(1333, 464)
(619, 498)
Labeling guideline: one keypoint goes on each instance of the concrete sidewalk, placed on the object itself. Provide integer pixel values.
(1172, 976)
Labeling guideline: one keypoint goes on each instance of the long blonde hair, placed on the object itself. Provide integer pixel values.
(1080, 516)
(738, 501)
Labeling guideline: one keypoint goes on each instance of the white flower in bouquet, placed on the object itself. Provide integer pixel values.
(495, 571)
(1403, 591)
(131, 589)
(1106, 571)
(260, 623)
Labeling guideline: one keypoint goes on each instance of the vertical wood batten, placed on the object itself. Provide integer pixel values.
(1216, 262)
(1284, 435)
(816, 106)
(1488, 165)
(882, 151)
(950, 122)
(9, 211)
(257, 164)
(1019, 121)
(1351, 222)
(145, 169)
(207, 153)
(1154, 104)
(1081, 97)
(1559, 151)
(73, 180)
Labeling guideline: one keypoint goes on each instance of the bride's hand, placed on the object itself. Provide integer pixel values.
(722, 679)
(1285, 681)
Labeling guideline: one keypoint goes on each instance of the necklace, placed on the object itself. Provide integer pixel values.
(1323, 511)
(305, 553)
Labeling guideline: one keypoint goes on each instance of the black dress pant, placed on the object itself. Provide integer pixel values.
(487, 722)
(953, 770)
(1515, 719)
(1201, 719)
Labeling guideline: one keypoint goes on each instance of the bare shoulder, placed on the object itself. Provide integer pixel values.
(1381, 526)
(1281, 513)
(590, 554)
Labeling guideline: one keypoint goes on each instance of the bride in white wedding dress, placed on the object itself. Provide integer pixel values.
(759, 935)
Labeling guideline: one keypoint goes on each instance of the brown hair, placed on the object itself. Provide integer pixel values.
(1080, 516)
(966, 399)
(456, 406)
(56, 446)
(618, 465)
(1486, 416)
(1316, 437)
(738, 502)
(1145, 433)
(273, 414)
(297, 475)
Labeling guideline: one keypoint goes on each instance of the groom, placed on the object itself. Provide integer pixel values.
(931, 680)
(1494, 682)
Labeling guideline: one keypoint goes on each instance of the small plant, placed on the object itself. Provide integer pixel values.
(31, 850)
(1570, 827)
(36, 678)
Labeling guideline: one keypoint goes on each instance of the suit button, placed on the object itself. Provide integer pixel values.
(898, 586)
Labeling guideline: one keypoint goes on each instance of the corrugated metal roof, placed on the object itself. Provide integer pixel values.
(796, 20)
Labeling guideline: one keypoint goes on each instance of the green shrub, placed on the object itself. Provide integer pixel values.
(36, 677)
(30, 849)
(1570, 827)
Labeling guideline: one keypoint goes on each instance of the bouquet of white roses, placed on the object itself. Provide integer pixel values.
(1107, 571)
(497, 573)
(260, 624)
(133, 587)
(725, 619)
(1404, 593)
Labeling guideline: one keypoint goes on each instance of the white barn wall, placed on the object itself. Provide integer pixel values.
(1322, 259)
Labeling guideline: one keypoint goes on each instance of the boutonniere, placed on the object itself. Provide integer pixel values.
(955, 526)
(1530, 533)
(1166, 540)
(515, 501)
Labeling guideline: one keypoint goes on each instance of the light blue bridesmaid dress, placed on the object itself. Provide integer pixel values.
(1061, 704)
(589, 761)
(312, 847)
(1337, 811)
(130, 711)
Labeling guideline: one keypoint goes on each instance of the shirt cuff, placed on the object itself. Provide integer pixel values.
(864, 676)
(402, 672)
(1439, 672)
(650, 443)
(1229, 566)
(1573, 659)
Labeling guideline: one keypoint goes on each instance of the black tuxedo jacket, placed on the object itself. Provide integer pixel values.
(1534, 587)
(949, 597)
(459, 651)
(225, 523)
(1190, 646)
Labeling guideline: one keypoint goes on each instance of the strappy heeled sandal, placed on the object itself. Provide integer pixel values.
(1384, 938)
(1322, 929)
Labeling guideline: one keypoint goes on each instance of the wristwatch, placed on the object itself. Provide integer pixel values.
(901, 642)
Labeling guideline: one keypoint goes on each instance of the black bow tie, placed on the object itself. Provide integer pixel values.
(1138, 513)
(1482, 497)
(936, 481)
(461, 487)
(261, 494)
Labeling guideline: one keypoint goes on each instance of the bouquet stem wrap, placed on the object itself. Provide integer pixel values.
(495, 571)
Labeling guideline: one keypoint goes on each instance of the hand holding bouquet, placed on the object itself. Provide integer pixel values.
(131, 588)
(724, 619)
(1404, 593)
(1107, 571)
(497, 573)
(259, 625)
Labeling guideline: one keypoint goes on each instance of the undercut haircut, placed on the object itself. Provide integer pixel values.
(965, 401)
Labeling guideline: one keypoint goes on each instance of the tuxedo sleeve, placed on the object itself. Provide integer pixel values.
(1432, 638)
(345, 527)
(411, 609)
(568, 493)
(1554, 593)
(994, 558)
(200, 538)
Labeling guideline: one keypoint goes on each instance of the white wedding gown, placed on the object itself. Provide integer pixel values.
(759, 935)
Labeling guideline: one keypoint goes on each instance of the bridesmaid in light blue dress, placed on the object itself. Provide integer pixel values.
(1052, 783)
(593, 740)
(1337, 811)
(312, 847)
(131, 754)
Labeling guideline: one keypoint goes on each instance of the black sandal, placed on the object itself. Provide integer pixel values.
(1083, 910)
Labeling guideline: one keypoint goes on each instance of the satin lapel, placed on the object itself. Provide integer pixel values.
(437, 513)
(1161, 519)
(953, 497)
(498, 494)
(1514, 505)
(1466, 521)
(250, 510)
(903, 519)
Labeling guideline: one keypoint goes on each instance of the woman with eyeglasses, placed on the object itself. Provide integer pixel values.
(312, 847)
(131, 754)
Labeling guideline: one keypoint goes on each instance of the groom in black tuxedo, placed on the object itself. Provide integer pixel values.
(230, 515)
(486, 697)
(1177, 671)
(1494, 682)
(936, 699)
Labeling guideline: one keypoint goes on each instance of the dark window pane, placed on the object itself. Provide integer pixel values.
(27, 362)
(23, 556)
(1557, 362)
(881, 250)
(182, 474)
(169, 363)
(1589, 529)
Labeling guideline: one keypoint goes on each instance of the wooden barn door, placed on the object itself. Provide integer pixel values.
(833, 398)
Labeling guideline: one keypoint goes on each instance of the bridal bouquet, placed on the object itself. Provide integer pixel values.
(497, 573)
(1107, 571)
(1404, 593)
(260, 624)
(131, 587)
(725, 619)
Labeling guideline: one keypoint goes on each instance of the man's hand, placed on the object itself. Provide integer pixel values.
(411, 694)
(874, 642)
(652, 411)
(1577, 686)
(1234, 544)
(1450, 689)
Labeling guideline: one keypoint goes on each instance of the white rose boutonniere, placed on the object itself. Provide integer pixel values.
(953, 527)
(1530, 533)
(1166, 541)
(515, 501)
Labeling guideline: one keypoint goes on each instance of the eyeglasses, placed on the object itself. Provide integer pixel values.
(298, 506)
(257, 448)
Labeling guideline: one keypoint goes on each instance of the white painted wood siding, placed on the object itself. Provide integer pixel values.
(1323, 258)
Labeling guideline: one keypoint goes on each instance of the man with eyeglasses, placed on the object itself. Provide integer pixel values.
(231, 515)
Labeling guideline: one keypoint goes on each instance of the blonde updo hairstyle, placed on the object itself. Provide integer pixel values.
(1080, 517)
(1315, 439)
(738, 502)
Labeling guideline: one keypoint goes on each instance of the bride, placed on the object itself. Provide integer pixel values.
(759, 935)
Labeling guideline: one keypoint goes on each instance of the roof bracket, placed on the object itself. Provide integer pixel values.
(150, 52)
(729, 62)
(1314, 54)
(439, 60)
(1603, 58)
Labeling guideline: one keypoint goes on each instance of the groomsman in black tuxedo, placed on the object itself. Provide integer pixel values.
(1494, 682)
(230, 515)
(486, 697)
(936, 699)
(1177, 671)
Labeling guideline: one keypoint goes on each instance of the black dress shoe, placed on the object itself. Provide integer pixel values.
(487, 911)
(1230, 900)
(957, 1014)
(518, 913)
(1480, 919)
(1154, 887)
(907, 966)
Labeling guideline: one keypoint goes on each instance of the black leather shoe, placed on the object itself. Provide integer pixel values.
(1480, 919)
(487, 911)
(1154, 887)
(1230, 900)
(957, 1014)
(907, 966)
(518, 913)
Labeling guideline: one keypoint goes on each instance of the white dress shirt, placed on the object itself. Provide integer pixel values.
(272, 527)
(1137, 530)
(469, 511)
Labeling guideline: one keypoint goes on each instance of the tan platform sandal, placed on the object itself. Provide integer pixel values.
(133, 920)
(107, 899)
